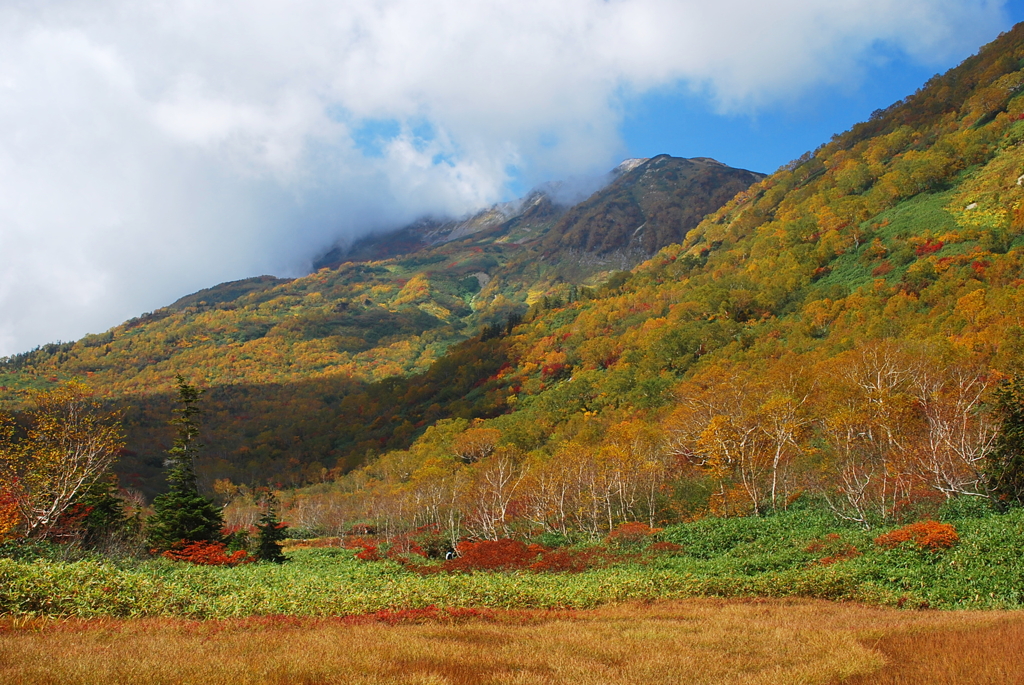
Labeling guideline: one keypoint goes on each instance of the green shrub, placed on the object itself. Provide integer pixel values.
(963, 507)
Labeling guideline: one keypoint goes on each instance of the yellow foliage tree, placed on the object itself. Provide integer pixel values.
(475, 444)
(71, 443)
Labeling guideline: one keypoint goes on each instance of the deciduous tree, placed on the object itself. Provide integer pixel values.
(71, 442)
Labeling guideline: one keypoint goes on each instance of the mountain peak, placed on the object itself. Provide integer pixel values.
(628, 165)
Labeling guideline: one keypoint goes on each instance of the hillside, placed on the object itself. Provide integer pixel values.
(652, 205)
(301, 371)
(837, 331)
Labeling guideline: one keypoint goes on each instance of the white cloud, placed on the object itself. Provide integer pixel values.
(150, 148)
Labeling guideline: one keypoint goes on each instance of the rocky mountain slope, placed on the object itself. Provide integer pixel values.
(649, 203)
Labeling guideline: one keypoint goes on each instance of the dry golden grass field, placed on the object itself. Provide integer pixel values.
(695, 641)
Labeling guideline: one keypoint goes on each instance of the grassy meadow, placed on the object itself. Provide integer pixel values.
(694, 641)
(738, 600)
(794, 554)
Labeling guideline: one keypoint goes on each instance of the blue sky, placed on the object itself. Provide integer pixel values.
(679, 122)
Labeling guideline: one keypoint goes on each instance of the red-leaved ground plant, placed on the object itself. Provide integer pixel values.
(206, 553)
(929, 535)
(494, 555)
(368, 553)
(368, 547)
(833, 548)
(631, 534)
(513, 555)
(570, 561)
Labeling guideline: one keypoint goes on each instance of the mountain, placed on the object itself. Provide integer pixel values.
(839, 331)
(648, 204)
(835, 328)
(278, 354)
(654, 203)
(535, 212)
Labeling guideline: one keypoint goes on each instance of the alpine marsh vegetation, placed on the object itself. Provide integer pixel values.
(698, 641)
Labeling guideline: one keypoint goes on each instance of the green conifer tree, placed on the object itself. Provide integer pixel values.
(1006, 461)
(104, 517)
(272, 531)
(182, 513)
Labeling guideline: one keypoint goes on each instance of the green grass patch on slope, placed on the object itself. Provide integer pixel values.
(921, 215)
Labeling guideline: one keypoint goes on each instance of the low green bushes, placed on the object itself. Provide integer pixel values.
(805, 554)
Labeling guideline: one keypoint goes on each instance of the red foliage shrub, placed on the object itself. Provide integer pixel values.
(368, 553)
(817, 545)
(552, 370)
(425, 541)
(69, 524)
(399, 552)
(205, 553)
(928, 247)
(227, 531)
(9, 515)
(357, 541)
(499, 555)
(930, 535)
(568, 561)
(839, 552)
(628, 534)
(369, 547)
(510, 555)
(833, 548)
(494, 555)
(848, 552)
(882, 269)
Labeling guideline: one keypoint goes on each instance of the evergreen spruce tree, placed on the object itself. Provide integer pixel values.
(1006, 461)
(271, 533)
(105, 518)
(182, 513)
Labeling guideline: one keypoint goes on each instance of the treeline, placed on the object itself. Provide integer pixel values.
(883, 432)
(910, 235)
(901, 238)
